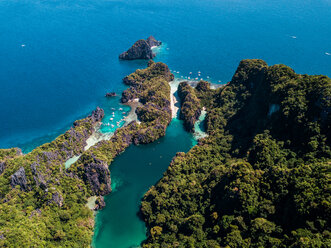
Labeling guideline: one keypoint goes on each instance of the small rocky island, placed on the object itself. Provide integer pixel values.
(141, 49)
(110, 94)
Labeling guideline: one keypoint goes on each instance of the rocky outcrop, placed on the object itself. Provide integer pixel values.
(141, 49)
(97, 115)
(153, 42)
(190, 106)
(57, 199)
(2, 167)
(36, 212)
(94, 117)
(38, 177)
(97, 175)
(110, 94)
(99, 203)
(19, 178)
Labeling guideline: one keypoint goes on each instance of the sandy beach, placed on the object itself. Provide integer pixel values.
(132, 116)
(173, 99)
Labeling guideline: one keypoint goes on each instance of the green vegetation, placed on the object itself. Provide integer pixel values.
(9, 153)
(190, 106)
(151, 87)
(260, 179)
(45, 206)
(42, 204)
(262, 176)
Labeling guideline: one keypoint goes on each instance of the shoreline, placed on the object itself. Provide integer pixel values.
(174, 101)
(95, 137)
(132, 116)
(199, 133)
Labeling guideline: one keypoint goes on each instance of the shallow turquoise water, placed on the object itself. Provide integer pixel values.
(70, 60)
(70, 57)
(133, 172)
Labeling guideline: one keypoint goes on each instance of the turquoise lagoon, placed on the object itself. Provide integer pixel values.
(132, 173)
(58, 58)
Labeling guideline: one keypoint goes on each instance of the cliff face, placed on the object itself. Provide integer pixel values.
(40, 162)
(141, 49)
(37, 190)
(19, 178)
(153, 42)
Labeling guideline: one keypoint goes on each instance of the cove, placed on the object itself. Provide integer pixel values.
(133, 173)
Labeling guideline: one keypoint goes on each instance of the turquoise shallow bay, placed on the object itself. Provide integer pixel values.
(70, 60)
(133, 172)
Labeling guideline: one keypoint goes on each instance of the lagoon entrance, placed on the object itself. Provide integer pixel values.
(133, 173)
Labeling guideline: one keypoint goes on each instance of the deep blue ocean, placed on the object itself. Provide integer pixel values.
(58, 58)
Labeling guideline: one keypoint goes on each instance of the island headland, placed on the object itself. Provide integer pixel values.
(259, 179)
(141, 49)
(44, 201)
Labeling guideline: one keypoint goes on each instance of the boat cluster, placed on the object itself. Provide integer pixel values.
(190, 77)
(118, 123)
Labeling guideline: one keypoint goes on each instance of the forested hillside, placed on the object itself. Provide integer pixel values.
(43, 203)
(262, 176)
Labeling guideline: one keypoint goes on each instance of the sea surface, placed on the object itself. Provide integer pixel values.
(132, 173)
(58, 58)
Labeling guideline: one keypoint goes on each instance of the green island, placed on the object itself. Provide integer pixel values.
(45, 205)
(261, 178)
